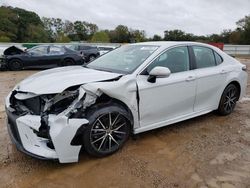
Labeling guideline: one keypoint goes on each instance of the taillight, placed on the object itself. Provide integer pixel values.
(244, 68)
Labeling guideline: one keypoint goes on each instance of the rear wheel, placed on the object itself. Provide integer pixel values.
(68, 62)
(108, 130)
(228, 100)
(91, 57)
(15, 65)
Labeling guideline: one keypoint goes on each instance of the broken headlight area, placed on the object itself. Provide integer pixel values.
(25, 103)
(70, 103)
(49, 123)
(39, 105)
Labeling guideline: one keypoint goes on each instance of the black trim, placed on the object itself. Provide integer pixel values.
(222, 60)
(192, 60)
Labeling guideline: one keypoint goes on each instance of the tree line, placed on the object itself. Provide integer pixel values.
(19, 25)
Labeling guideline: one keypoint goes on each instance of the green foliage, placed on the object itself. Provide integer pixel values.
(120, 34)
(4, 39)
(19, 25)
(156, 38)
(61, 38)
(174, 35)
(137, 36)
(244, 29)
(100, 36)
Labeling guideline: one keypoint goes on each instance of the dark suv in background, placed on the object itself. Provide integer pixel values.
(89, 52)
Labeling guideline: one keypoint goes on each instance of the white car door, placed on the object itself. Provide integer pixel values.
(167, 98)
(210, 78)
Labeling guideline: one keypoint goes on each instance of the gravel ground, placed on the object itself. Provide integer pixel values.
(208, 151)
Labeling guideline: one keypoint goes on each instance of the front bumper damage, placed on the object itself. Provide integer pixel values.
(25, 131)
(3, 64)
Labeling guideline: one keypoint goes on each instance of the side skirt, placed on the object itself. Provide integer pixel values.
(171, 121)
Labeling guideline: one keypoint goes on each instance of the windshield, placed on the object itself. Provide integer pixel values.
(124, 59)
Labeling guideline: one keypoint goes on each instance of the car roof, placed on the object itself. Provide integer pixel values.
(171, 43)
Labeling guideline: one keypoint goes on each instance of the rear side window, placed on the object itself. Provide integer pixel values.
(55, 50)
(218, 58)
(204, 57)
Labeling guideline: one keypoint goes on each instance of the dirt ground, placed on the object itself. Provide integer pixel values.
(208, 151)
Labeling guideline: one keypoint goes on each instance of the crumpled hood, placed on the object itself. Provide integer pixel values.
(13, 50)
(58, 79)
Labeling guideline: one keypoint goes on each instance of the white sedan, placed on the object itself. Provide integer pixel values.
(135, 88)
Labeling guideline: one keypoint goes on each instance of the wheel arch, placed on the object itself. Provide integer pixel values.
(13, 58)
(92, 54)
(103, 99)
(66, 58)
(237, 84)
(107, 99)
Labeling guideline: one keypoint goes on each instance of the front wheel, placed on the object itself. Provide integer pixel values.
(15, 65)
(228, 100)
(108, 130)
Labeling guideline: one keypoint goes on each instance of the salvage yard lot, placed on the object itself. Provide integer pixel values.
(210, 150)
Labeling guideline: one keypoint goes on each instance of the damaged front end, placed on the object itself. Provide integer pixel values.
(45, 125)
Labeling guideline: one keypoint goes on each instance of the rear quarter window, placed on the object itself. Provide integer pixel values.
(218, 58)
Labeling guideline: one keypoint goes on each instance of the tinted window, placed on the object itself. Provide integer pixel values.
(218, 58)
(55, 50)
(85, 47)
(204, 57)
(176, 59)
(39, 50)
(105, 48)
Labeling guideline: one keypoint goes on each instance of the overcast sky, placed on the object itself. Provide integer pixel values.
(200, 17)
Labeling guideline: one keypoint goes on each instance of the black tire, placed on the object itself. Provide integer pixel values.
(102, 138)
(92, 57)
(15, 64)
(68, 62)
(228, 100)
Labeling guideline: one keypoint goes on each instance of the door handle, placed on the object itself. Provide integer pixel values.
(223, 72)
(190, 78)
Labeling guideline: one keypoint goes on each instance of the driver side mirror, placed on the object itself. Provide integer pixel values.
(158, 72)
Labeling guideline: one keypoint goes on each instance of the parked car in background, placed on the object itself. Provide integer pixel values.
(42, 56)
(105, 49)
(89, 52)
(132, 89)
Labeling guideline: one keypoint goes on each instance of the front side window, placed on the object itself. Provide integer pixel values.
(125, 59)
(204, 57)
(39, 50)
(176, 59)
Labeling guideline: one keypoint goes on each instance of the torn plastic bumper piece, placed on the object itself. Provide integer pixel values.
(62, 130)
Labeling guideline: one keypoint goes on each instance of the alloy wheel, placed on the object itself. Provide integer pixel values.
(108, 132)
(230, 99)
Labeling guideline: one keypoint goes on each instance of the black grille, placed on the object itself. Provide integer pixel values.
(33, 104)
